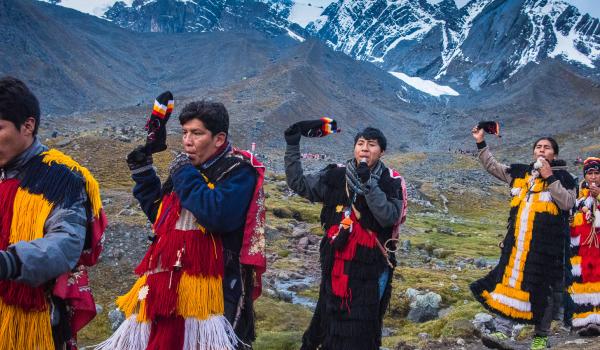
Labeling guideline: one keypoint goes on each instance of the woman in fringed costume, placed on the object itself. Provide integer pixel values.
(363, 206)
(531, 264)
(202, 271)
(584, 289)
(51, 228)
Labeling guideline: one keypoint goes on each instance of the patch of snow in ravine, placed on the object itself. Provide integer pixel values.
(427, 86)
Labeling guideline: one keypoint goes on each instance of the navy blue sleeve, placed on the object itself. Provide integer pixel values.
(147, 191)
(222, 209)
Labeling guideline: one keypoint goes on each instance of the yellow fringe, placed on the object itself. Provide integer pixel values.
(519, 183)
(584, 288)
(200, 296)
(505, 309)
(30, 214)
(24, 330)
(512, 292)
(576, 260)
(91, 185)
(586, 314)
(577, 219)
(545, 207)
(130, 303)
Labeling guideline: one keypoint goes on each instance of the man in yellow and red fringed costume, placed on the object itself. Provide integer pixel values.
(531, 268)
(203, 269)
(51, 228)
(584, 276)
(364, 203)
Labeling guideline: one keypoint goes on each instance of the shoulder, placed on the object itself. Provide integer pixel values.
(59, 178)
(517, 171)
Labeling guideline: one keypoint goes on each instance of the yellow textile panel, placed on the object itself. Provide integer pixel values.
(586, 314)
(505, 309)
(584, 288)
(30, 214)
(576, 260)
(200, 296)
(512, 292)
(24, 330)
(134, 302)
(91, 185)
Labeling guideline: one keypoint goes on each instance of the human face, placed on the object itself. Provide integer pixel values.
(544, 149)
(14, 141)
(198, 142)
(368, 149)
(593, 177)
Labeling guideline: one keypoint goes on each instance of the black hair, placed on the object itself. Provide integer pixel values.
(213, 115)
(370, 133)
(549, 139)
(17, 103)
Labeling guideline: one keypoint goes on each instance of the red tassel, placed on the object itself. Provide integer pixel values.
(28, 298)
(167, 333)
(162, 294)
(8, 191)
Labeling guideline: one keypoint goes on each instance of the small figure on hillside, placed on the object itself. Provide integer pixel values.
(584, 284)
(530, 274)
(51, 228)
(202, 272)
(364, 203)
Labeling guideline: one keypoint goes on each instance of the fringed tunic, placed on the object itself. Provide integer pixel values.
(584, 286)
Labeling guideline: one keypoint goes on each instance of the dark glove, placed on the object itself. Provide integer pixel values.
(9, 265)
(310, 128)
(156, 125)
(181, 160)
(139, 159)
(363, 172)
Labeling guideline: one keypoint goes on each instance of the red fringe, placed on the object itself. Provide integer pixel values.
(358, 237)
(8, 191)
(28, 298)
(162, 300)
(582, 230)
(590, 259)
(167, 333)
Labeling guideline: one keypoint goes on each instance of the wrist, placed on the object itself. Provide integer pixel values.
(481, 144)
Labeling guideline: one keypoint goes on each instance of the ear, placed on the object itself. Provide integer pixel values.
(220, 139)
(28, 127)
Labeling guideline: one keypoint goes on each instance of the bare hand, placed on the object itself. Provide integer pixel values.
(478, 134)
(594, 190)
(546, 169)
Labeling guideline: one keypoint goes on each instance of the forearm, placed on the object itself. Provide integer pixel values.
(222, 208)
(307, 186)
(564, 198)
(491, 165)
(386, 211)
(147, 191)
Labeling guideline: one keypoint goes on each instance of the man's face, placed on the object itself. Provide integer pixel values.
(593, 177)
(198, 142)
(368, 149)
(544, 149)
(14, 141)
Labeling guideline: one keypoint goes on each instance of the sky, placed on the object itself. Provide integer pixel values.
(302, 12)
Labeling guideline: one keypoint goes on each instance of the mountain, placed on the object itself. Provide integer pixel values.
(79, 63)
(483, 43)
(178, 16)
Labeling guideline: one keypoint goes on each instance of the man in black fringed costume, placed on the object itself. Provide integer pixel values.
(531, 267)
(363, 206)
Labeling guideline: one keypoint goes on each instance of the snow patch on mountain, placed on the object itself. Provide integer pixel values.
(304, 12)
(426, 86)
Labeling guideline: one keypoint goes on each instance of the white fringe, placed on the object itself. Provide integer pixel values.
(545, 196)
(512, 302)
(580, 322)
(131, 335)
(515, 191)
(214, 333)
(586, 298)
(576, 270)
(575, 241)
